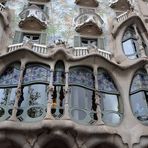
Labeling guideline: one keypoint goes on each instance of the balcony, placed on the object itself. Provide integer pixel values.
(83, 51)
(88, 23)
(75, 52)
(122, 5)
(121, 19)
(88, 3)
(42, 49)
(33, 18)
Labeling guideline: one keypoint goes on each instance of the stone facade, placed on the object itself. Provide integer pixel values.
(85, 89)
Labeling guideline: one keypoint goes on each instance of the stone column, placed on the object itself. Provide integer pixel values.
(141, 48)
(97, 98)
(49, 103)
(66, 105)
(18, 93)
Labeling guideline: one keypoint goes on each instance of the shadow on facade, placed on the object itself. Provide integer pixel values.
(8, 144)
(56, 143)
(105, 145)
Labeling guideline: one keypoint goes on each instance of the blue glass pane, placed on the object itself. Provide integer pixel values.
(11, 75)
(140, 81)
(81, 76)
(105, 82)
(36, 73)
(59, 78)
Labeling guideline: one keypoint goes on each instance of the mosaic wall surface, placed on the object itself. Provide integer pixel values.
(61, 14)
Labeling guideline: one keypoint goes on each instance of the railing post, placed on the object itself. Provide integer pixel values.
(66, 105)
(49, 104)
(97, 98)
(18, 93)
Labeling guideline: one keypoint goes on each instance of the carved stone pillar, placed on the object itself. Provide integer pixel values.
(66, 105)
(18, 93)
(49, 104)
(97, 98)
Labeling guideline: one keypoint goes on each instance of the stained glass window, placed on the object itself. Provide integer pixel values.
(139, 96)
(110, 104)
(33, 101)
(82, 97)
(8, 83)
(81, 76)
(36, 73)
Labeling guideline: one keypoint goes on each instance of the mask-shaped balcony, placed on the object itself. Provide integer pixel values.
(88, 23)
(121, 5)
(33, 17)
(88, 3)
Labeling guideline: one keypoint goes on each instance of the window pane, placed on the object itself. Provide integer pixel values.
(81, 76)
(11, 75)
(109, 102)
(105, 82)
(129, 47)
(80, 103)
(139, 104)
(35, 73)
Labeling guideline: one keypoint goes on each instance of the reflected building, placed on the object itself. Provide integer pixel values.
(73, 74)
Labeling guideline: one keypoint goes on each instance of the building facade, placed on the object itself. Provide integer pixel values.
(73, 74)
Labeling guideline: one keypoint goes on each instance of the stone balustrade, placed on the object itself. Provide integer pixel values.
(76, 52)
(2, 7)
(122, 17)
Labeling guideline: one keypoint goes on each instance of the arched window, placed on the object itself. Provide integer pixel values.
(139, 96)
(8, 84)
(58, 93)
(82, 95)
(110, 99)
(33, 101)
(131, 41)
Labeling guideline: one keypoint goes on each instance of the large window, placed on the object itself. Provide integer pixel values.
(130, 42)
(8, 84)
(139, 96)
(32, 103)
(82, 97)
(58, 95)
(110, 99)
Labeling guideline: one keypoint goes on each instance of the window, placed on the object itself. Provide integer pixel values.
(32, 103)
(34, 38)
(82, 95)
(130, 42)
(58, 93)
(8, 84)
(139, 96)
(110, 99)
(85, 42)
(39, 38)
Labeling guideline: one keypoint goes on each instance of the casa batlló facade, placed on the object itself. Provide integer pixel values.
(74, 74)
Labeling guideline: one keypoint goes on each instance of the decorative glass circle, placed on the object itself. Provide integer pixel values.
(35, 112)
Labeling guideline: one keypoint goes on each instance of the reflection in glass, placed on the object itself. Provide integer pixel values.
(34, 100)
(110, 103)
(82, 97)
(8, 84)
(139, 96)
